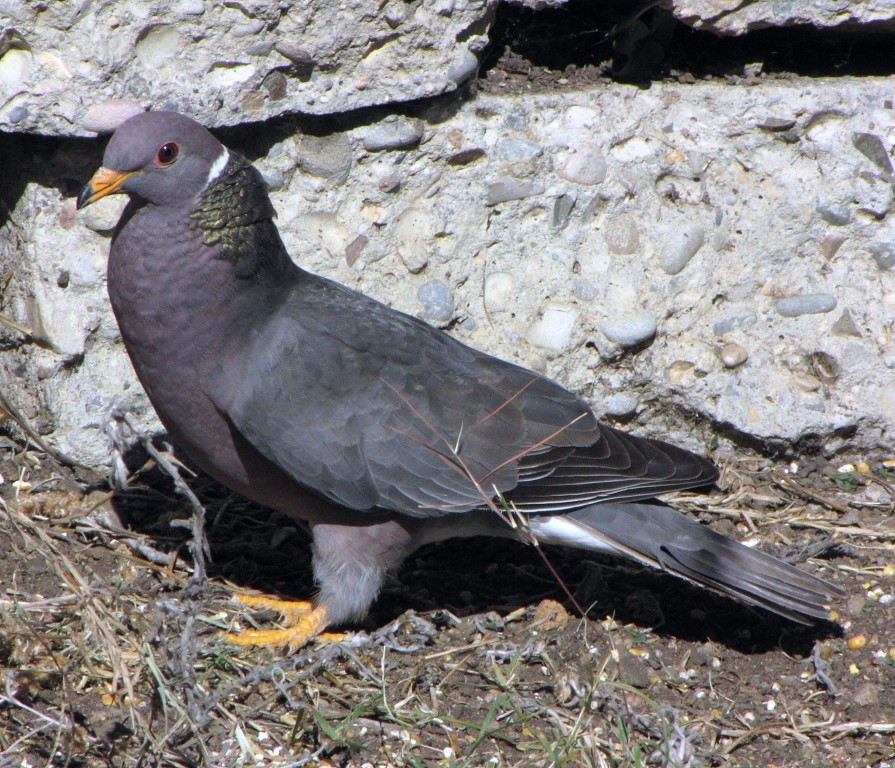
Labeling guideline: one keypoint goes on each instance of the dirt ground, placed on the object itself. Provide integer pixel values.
(475, 656)
(110, 646)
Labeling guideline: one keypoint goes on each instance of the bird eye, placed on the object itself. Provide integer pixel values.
(167, 153)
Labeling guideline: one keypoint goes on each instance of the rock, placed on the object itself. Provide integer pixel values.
(845, 325)
(586, 165)
(631, 331)
(731, 17)
(328, 157)
(107, 116)
(884, 255)
(871, 146)
(504, 190)
(104, 214)
(681, 247)
(733, 355)
(584, 289)
(463, 68)
(680, 372)
(806, 304)
(553, 331)
(620, 406)
(621, 234)
(393, 133)
(499, 292)
(867, 694)
(437, 301)
(518, 150)
(415, 231)
(562, 210)
(837, 215)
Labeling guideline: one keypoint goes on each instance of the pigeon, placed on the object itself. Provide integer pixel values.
(379, 431)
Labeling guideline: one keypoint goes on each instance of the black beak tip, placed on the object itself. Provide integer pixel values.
(84, 196)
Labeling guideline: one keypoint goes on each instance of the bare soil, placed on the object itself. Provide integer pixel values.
(111, 650)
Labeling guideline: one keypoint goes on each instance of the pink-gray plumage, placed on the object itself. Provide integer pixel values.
(378, 430)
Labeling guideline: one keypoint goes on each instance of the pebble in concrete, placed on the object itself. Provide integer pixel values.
(806, 304)
(328, 157)
(553, 330)
(504, 190)
(620, 406)
(499, 292)
(682, 247)
(586, 165)
(631, 331)
(393, 133)
(733, 355)
(621, 234)
(106, 117)
(415, 232)
(437, 301)
(518, 150)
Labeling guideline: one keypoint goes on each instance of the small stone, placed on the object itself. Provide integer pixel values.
(585, 166)
(682, 247)
(504, 190)
(518, 150)
(253, 101)
(806, 382)
(584, 289)
(107, 116)
(621, 406)
(621, 234)
(867, 694)
(679, 372)
(499, 292)
(191, 7)
(733, 354)
(354, 249)
(15, 64)
(390, 183)
(415, 230)
(466, 156)
(777, 124)
(830, 246)
(884, 255)
(735, 322)
(845, 325)
(328, 157)
(391, 134)
(837, 215)
(871, 146)
(562, 210)
(156, 45)
(63, 278)
(806, 304)
(437, 301)
(553, 330)
(462, 69)
(296, 54)
(104, 214)
(631, 331)
(276, 85)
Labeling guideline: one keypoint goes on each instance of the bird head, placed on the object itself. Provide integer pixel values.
(159, 158)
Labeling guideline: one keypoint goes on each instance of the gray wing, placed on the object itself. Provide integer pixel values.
(372, 409)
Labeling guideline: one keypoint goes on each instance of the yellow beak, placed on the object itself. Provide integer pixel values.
(104, 182)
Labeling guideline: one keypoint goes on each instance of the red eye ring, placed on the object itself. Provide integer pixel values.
(167, 153)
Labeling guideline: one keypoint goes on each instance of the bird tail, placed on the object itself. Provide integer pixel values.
(660, 536)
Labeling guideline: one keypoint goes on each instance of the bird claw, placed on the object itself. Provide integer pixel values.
(305, 622)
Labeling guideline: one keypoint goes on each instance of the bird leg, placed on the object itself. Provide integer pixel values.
(304, 622)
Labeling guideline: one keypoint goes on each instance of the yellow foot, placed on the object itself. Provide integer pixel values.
(305, 622)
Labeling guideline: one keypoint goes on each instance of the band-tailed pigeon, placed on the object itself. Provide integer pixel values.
(381, 432)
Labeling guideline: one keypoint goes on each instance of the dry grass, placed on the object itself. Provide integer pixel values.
(110, 649)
